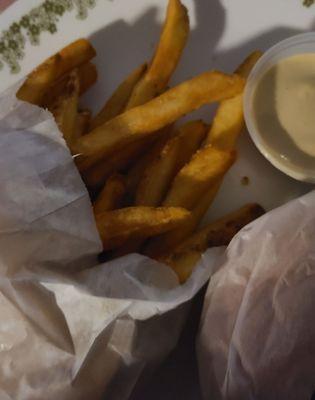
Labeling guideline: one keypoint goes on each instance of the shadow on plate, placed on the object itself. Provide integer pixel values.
(126, 46)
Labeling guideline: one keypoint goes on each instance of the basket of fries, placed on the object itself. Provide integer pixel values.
(150, 179)
(119, 250)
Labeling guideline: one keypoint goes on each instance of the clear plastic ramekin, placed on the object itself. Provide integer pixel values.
(299, 44)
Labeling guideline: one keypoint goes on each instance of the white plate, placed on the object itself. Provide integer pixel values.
(222, 34)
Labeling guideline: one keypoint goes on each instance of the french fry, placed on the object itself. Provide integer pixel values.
(248, 64)
(198, 176)
(39, 81)
(227, 126)
(219, 233)
(228, 122)
(65, 110)
(163, 244)
(117, 102)
(172, 42)
(163, 110)
(161, 171)
(96, 176)
(83, 122)
(118, 226)
(111, 195)
(87, 77)
(135, 173)
(133, 178)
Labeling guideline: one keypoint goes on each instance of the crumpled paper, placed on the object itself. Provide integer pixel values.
(72, 329)
(257, 335)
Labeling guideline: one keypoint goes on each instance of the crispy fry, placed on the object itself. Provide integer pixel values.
(163, 244)
(96, 176)
(228, 122)
(161, 171)
(39, 81)
(111, 196)
(65, 110)
(117, 102)
(83, 122)
(198, 176)
(154, 115)
(135, 173)
(87, 77)
(218, 233)
(231, 111)
(118, 226)
(172, 42)
(248, 64)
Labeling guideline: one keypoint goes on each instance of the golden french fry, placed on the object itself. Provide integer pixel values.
(151, 158)
(163, 244)
(39, 81)
(96, 176)
(83, 121)
(183, 265)
(219, 233)
(172, 42)
(111, 195)
(248, 64)
(135, 173)
(117, 102)
(227, 126)
(87, 77)
(198, 176)
(118, 226)
(65, 109)
(163, 110)
(161, 171)
(228, 122)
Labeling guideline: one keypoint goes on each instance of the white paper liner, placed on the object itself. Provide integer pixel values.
(72, 329)
(257, 335)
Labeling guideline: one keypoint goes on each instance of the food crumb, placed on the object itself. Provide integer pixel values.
(245, 181)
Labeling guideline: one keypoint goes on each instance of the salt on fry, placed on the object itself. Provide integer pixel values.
(163, 110)
(39, 81)
(178, 150)
(118, 226)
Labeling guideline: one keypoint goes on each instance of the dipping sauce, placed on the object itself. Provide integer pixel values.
(284, 110)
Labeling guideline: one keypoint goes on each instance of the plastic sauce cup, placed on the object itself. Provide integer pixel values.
(300, 44)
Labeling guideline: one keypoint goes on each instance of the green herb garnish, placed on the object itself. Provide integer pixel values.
(308, 3)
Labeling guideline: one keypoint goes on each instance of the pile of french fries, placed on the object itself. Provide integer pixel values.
(151, 179)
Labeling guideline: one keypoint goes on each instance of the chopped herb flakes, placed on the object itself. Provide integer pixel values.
(308, 3)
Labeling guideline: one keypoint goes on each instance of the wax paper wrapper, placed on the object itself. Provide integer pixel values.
(70, 328)
(257, 335)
